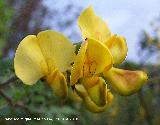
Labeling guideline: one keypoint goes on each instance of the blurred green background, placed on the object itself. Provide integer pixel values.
(19, 18)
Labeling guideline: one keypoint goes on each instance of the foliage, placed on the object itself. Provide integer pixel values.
(5, 17)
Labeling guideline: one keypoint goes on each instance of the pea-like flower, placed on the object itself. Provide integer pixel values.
(50, 54)
(123, 81)
(99, 52)
(47, 55)
(91, 60)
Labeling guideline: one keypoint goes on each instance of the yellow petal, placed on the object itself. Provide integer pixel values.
(73, 95)
(98, 56)
(93, 57)
(57, 47)
(110, 97)
(28, 60)
(126, 82)
(96, 89)
(93, 26)
(77, 69)
(90, 105)
(118, 47)
(58, 83)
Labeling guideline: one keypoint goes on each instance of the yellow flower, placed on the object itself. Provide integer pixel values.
(90, 62)
(47, 55)
(50, 54)
(93, 27)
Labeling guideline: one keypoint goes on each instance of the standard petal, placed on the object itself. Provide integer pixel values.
(126, 82)
(56, 47)
(98, 57)
(93, 26)
(28, 61)
(58, 83)
(93, 57)
(118, 47)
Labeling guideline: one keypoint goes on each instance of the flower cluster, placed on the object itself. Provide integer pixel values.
(50, 55)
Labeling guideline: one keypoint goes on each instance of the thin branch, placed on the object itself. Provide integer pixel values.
(9, 99)
(11, 103)
(11, 80)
